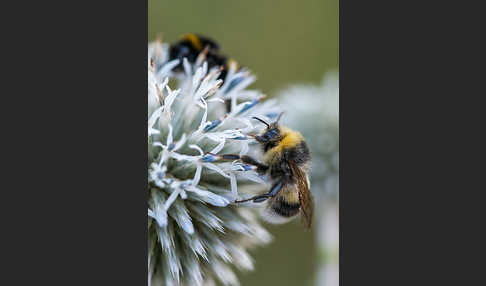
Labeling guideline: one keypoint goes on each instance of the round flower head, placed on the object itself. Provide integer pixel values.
(195, 234)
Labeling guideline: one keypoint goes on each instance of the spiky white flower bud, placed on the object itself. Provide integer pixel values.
(195, 234)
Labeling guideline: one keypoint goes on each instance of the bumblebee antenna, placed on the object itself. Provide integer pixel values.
(279, 116)
(262, 121)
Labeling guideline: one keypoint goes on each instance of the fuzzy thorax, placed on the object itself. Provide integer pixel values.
(194, 40)
(290, 139)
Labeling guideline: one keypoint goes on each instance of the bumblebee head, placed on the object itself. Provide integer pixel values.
(183, 50)
(272, 134)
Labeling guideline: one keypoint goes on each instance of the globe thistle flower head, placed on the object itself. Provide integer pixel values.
(195, 233)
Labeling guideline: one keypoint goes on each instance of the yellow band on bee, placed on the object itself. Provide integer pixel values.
(195, 41)
(290, 139)
(290, 195)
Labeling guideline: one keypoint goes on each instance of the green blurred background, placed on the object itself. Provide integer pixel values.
(282, 42)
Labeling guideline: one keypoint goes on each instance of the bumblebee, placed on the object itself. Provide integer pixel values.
(191, 45)
(287, 161)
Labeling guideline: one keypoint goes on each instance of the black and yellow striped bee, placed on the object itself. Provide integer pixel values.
(287, 161)
(191, 45)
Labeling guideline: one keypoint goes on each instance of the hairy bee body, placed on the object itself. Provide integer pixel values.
(191, 45)
(282, 208)
(288, 160)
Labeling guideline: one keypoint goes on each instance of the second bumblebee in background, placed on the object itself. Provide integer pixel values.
(191, 45)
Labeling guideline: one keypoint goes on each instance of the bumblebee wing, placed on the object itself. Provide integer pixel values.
(306, 200)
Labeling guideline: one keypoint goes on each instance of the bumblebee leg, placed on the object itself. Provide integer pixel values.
(261, 168)
(227, 102)
(263, 197)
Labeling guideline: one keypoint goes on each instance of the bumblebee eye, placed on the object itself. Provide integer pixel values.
(183, 52)
(271, 134)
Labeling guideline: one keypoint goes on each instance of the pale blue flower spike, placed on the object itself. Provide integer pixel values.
(188, 127)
